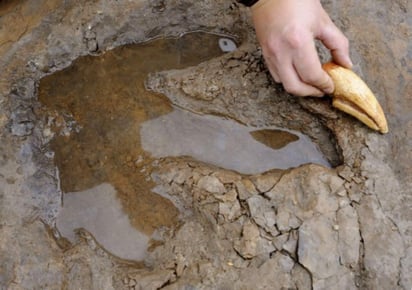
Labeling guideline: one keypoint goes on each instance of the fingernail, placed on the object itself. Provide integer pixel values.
(349, 62)
(329, 91)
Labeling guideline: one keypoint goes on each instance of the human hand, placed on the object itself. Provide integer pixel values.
(286, 31)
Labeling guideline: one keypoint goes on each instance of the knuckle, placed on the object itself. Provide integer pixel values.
(317, 78)
(344, 42)
(293, 89)
(272, 48)
(295, 38)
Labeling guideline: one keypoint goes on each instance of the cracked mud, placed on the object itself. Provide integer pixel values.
(342, 221)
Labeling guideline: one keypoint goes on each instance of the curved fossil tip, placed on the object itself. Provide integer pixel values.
(354, 97)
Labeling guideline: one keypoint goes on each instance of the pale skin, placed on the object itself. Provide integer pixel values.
(286, 31)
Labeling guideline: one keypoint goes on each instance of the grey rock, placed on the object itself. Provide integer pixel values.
(252, 244)
(335, 184)
(230, 210)
(227, 176)
(245, 189)
(282, 219)
(152, 280)
(346, 173)
(406, 269)
(262, 213)
(247, 246)
(280, 240)
(22, 121)
(274, 274)
(24, 89)
(344, 280)
(266, 181)
(349, 237)
(182, 175)
(311, 193)
(230, 196)
(301, 278)
(294, 222)
(318, 247)
(383, 245)
(290, 245)
(211, 184)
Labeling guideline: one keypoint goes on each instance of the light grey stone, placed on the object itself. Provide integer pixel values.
(383, 245)
(280, 240)
(335, 184)
(301, 278)
(262, 213)
(406, 269)
(291, 244)
(294, 222)
(318, 247)
(349, 237)
(274, 274)
(229, 196)
(282, 219)
(247, 246)
(211, 184)
(344, 280)
(182, 175)
(230, 210)
(264, 182)
(245, 189)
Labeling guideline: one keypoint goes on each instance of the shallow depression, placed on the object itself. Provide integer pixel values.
(108, 130)
(95, 108)
(99, 211)
(226, 143)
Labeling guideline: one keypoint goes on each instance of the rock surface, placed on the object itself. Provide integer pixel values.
(310, 227)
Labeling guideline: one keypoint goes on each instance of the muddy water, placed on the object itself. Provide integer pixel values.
(227, 143)
(99, 211)
(95, 108)
(109, 130)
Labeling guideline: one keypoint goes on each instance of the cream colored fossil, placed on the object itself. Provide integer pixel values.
(354, 97)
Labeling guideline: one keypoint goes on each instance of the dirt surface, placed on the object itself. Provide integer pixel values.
(309, 227)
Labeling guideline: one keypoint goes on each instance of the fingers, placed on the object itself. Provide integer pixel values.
(337, 43)
(294, 85)
(272, 69)
(309, 68)
(300, 71)
(286, 30)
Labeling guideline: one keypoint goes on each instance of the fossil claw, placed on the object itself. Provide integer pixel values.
(353, 96)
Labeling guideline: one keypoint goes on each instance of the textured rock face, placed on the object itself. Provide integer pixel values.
(309, 227)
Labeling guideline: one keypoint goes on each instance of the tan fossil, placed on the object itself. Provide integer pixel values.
(354, 97)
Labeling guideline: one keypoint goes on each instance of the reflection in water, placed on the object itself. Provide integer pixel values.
(99, 211)
(96, 106)
(227, 143)
(274, 138)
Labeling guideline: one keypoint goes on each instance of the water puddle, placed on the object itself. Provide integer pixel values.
(108, 130)
(99, 211)
(227, 143)
(95, 108)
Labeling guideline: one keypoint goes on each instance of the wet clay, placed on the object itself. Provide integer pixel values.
(96, 107)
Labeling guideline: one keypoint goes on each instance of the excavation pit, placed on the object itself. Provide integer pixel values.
(109, 130)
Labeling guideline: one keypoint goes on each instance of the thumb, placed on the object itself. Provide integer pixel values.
(337, 43)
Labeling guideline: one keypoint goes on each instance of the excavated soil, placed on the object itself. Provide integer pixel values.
(135, 154)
